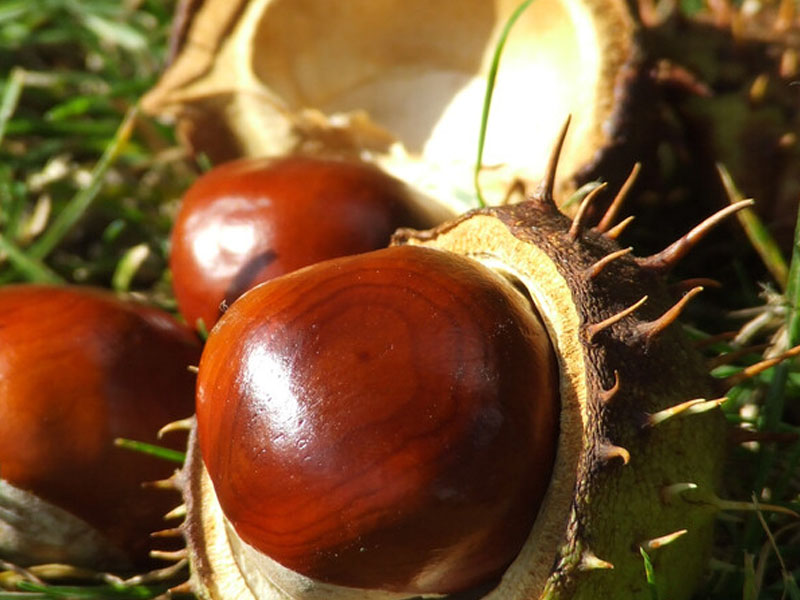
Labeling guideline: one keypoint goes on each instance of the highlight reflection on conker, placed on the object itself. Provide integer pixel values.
(386, 421)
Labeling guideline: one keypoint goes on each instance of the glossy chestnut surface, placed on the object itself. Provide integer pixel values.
(384, 421)
(248, 221)
(79, 368)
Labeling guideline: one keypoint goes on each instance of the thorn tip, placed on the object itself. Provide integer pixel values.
(593, 330)
(611, 212)
(681, 287)
(617, 230)
(590, 562)
(579, 221)
(649, 330)
(661, 541)
(676, 490)
(178, 512)
(601, 264)
(167, 533)
(672, 254)
(606, 396)
(172, 555)
(759, 367)
(544, 193)
(181, 425)
(170, 483)
(690, 407)
(609, 452)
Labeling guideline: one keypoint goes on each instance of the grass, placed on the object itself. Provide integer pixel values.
(487, 99)
(87, 184)
(88, 190)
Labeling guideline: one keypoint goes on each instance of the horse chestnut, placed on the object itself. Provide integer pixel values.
(383, 421)
(251, 220)
(79, 368)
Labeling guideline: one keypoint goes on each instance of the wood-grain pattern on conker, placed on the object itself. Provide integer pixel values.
(393, 430)
(248, 221)
(79, 368)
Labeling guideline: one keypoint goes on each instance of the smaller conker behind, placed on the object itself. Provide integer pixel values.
(250, 220)
(385, 422)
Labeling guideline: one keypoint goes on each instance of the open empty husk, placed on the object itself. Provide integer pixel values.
(402, 83)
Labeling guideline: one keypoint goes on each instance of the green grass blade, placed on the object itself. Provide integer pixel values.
(750, 585)
(128, 266)
(757, 233)
(12, 11)
(202, 330)
(487, 98)
(774, 403)
(78, 205)
(775, 399)
(31, 269)
(10, 100)
(793, 288)
(74, 107)
(91, 591)
(650, 574)
(792, 587)
(151, 449)
(12, 203)
(116, 32)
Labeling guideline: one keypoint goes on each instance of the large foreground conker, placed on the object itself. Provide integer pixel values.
(385, 421)
(79, 368)
(248, 221)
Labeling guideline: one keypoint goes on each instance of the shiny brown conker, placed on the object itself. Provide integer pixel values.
(78, 369)
(383, 421)
(250, 220)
